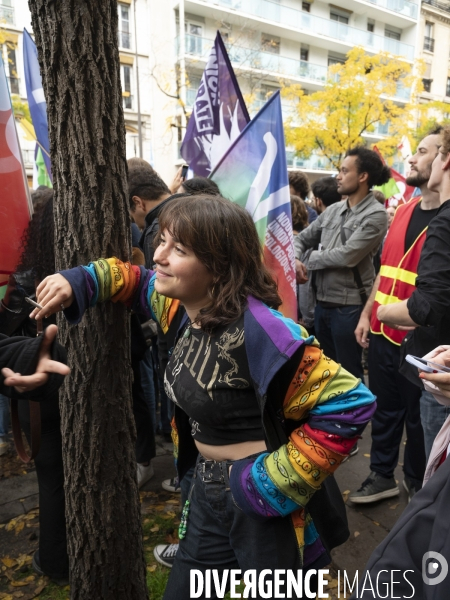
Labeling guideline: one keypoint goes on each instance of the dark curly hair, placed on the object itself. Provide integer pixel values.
(145, 184)
(200, 185)
(299, 214)
(224, 238)
(38, 253)
(299, 182)
(368, 161)
(325, 189)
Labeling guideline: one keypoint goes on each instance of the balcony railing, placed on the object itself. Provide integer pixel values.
(437, 4)
(312, 163)
(428, 44)
(258, 60)
(408, 9)
(7, 14)
(265, 61)
(125, 40)
(318, 26)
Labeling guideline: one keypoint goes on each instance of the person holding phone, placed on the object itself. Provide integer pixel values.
(419, 545)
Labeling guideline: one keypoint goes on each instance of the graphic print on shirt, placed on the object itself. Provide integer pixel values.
(208, 377)
(188, 353)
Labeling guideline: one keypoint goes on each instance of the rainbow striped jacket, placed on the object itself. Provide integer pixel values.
(312, 410)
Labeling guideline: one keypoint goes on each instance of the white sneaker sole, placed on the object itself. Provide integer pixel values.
(161, 560)
(170, 488)
(375, 497)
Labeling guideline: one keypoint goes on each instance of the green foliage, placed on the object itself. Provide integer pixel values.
(20, 109)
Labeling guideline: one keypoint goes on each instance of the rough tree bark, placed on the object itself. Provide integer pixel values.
(79, 60)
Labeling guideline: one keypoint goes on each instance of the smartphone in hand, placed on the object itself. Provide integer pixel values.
(426, 365)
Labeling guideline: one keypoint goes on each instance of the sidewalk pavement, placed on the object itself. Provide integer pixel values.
(368, 524)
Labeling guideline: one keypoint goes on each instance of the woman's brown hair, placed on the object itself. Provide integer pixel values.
(299, 214)
(223, 237)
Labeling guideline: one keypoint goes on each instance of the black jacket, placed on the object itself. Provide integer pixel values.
(423, 527)
(21, 355)
(429, 304)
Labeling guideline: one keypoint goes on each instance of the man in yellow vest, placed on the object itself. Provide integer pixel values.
(398, 399)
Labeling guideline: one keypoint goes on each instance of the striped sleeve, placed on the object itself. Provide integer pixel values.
(112, 279)
(330, 402)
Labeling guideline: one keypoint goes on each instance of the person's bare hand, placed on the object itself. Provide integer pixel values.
(440, 380)
(301, 272)
(362, 331)
(26, 383)
(54, 294)
(178, 180)
(440, 355)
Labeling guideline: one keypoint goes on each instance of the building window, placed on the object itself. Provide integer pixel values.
(7, 11)
(194, 39)
(336, 59)
(340, 17)
(447, 91)
(193, 83)
(304, 54)
(392, 33)
(124, 27)
(428, 40)
(125, 79)
(8, 51)
(270, 43)
(306, 6)
(264, 93)
(370, 25)
(427, 85)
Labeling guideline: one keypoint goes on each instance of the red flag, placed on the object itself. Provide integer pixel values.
(14, 196)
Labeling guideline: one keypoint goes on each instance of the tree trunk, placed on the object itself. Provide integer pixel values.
(79, 59)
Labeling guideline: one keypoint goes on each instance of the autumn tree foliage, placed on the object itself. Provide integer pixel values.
(358, 96)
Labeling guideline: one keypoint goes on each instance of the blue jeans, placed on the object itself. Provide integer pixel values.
(432, 415)
(4, 415)
(148, 385)
(220, 536)
(335, 331)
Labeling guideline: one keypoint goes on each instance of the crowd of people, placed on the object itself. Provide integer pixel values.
(262, 409)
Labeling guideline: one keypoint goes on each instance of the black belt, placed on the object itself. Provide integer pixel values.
(213, 471)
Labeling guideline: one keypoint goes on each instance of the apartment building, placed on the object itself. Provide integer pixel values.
(434, 49)
(293, 40)
(164, 45)
(135, 51)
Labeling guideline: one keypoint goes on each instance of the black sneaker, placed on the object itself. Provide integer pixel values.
(165, 554)
(410, 488)
(375, 487)
(61, 580)
(354, 451)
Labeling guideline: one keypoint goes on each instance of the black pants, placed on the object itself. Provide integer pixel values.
(145, 440)
(398, 405)
(50, 474)
(220, 536)
(335, 330)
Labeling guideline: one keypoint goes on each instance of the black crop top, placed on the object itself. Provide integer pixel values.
(209, 378)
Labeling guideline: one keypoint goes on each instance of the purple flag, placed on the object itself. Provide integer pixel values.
(218, 116)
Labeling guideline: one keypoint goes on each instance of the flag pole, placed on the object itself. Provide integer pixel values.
(138, 96)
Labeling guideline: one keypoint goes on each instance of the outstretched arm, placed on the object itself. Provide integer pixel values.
(75, 290)
(18, 353)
